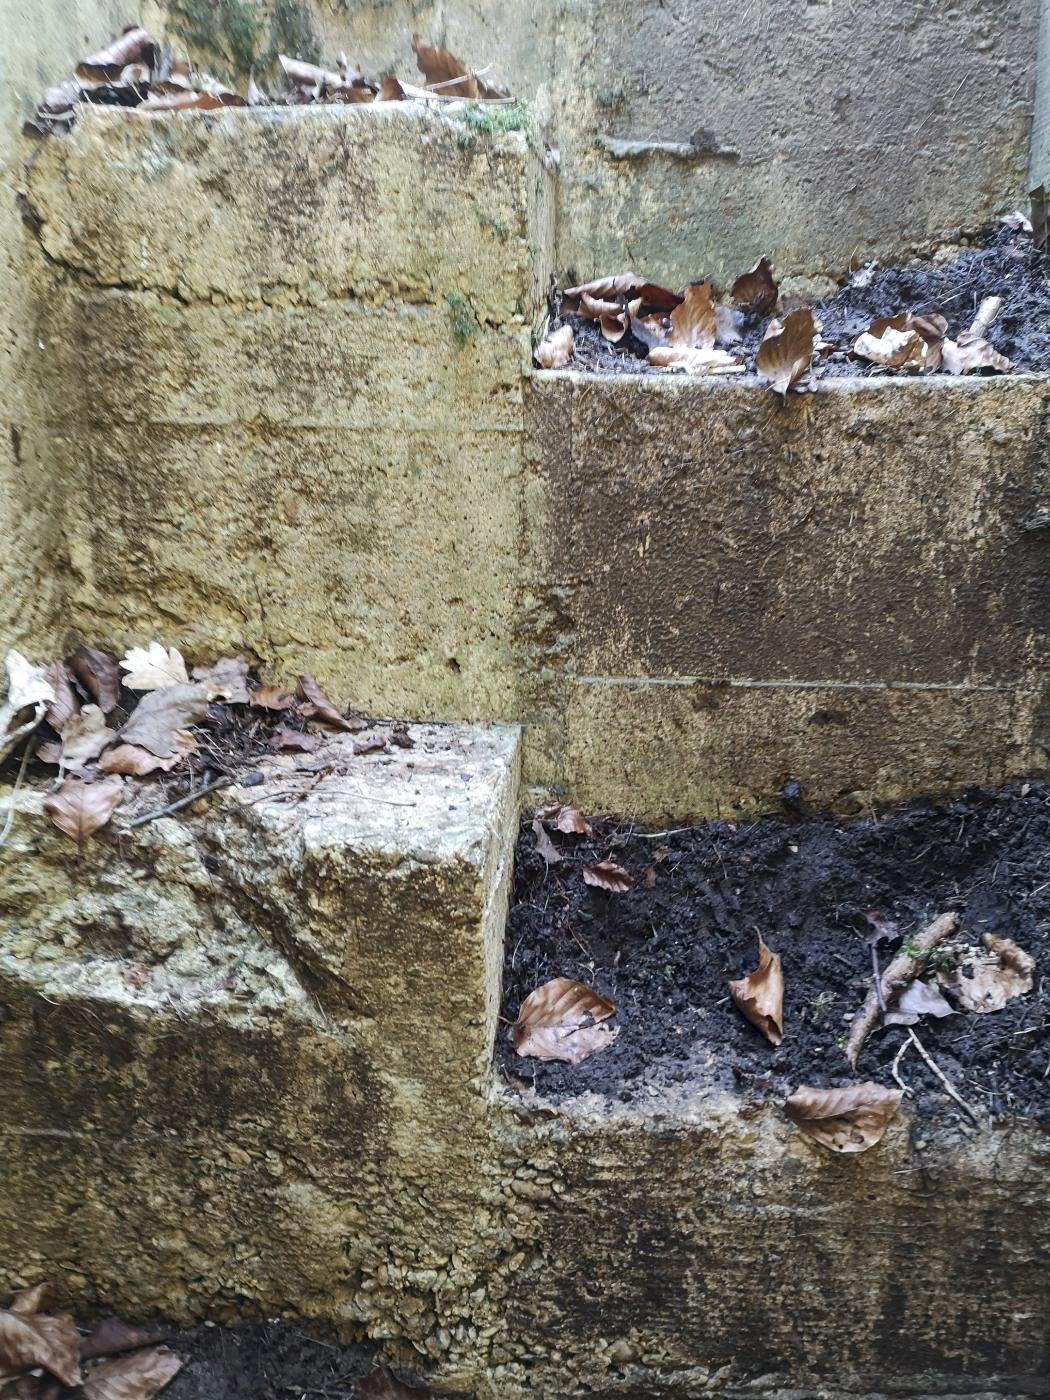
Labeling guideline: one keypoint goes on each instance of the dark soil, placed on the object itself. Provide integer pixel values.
(805, 883)
(1007, 265)
(265, 1361)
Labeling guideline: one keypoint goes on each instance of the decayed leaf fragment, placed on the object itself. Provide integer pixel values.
(226, 680)
(107, 65)
(97, 672)
(607, 876)
(137, 762)
(710, 361)
(30, 1340)
(971, 352)
(760, 995)
(987, 981)
(755, 291)
(152, 668)
(283, 737)
(563, 1020)
(625, 284)
(844, 1120)
(110, 1336)
(546, 847)
(918, 999)
(693, 322)
(136, 1377)
(80, 808)
(787, 351)
(84, 737)
(27, 688)
(160, 714)
(272, 697)
(65, 703)
(555, 349)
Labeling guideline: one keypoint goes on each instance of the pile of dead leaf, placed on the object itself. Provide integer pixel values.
(134, 71)
(44, 1357)
(934, 973)
(100, 722)
(696, 332)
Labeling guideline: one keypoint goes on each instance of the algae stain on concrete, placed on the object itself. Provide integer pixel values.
(238, 37)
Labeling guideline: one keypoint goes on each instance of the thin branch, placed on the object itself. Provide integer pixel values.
(182, 802)
(896, 1064)
(14, 791)
(949, 1086)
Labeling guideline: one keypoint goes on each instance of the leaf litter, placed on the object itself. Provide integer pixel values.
(819, 891)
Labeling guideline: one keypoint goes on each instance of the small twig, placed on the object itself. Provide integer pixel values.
(896, 1064)
(900, 973)
(655, 835)
(182, 802)
(877, 971)
(14, 791)
(465, 77)
(949, 1086)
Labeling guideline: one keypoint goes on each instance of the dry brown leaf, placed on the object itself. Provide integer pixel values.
(572, 822)
(555, 349)
(308, 75)
(137, 762)
(84, 737)
(987, 981)
(30, 1300)
(626, 284)
(971, 352)
(444, 70)
(844, 1120)
(893, 349)
(316, 704)
(111, 1336)
(918, 999)
(710, 361)
(546, 847)
(607, 876)
(98, 673)
(785, 355)
(755, 292)
(161, 713)
(135, 1377)
(694, 323)
(390, 90)
(192, 101)
(65, 704)
(29, 1340)
(760, 995)
(226, 680)
(594, 308)
(285, 738)
(384, 1385)
(563, 1020)
(728, 325)
(272, 697)
(375, 744)
(153, 668)
(106, 66)
(80, 808)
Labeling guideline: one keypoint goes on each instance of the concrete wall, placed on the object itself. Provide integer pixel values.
(698, 135)
(287, 411)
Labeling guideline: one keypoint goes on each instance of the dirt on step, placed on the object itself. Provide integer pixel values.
(664, 950)
(1005, 264)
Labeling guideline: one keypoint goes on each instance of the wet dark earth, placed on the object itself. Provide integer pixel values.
(1006, 264)
(664, 950)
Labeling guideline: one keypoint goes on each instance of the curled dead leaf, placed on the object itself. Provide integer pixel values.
(785, 355)
(308, 75)
(617, 289)
(285, 738)
(272, 697)
(693, 321)
(390, 90)
(563, 1020)
(84, 736)
(110, 1336)
(65, 704)
(316, 704)
(755, 292)
(30, 1300)
(153, 668)
(709, 361)
(98, 673)
(137, 762)
(443, 70)
(226, 680)
(986, 981)
(570, 820)
(971, 352)
(607, 876)
(31, 1340)
(760, 995)
(160, 714)
(555, 349)
(136, 1377)
(375, 743)
(106, 66)
(546, 847)
(80, 808)
(844, 1120)
(918, 999)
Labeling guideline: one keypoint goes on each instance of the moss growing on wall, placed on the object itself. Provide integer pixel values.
(237, 37)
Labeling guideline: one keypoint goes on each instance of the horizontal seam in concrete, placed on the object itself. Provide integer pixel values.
(740, 683)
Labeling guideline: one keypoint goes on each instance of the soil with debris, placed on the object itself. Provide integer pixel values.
(664, 953)
(1007, 265)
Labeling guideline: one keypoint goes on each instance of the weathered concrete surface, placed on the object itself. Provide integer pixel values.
(247, 1072)
(841, 589)
(286, 404)
(698, 135)
(246, 1053)
(41, 41)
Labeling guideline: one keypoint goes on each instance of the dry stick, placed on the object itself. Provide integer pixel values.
(14, 791)
(986, 313)
(941, 1075)
(896, 1065)
(900, 973)
(182, 802)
